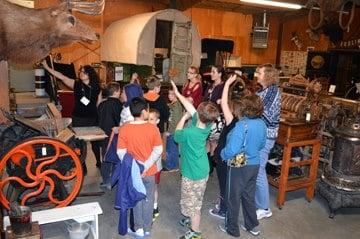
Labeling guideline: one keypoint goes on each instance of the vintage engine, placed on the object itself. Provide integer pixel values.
(299, 96)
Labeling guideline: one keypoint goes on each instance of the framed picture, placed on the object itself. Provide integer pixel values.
(119, 73)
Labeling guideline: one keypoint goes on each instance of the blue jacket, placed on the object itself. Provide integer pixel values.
(127, 177)
(255, 140)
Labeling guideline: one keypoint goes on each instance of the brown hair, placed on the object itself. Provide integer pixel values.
(152, 82)
(220, 70)
(271, 74)
(250, 106)
(112, 87)
(207, 112)
(155, 112)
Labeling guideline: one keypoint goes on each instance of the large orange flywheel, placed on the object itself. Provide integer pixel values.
(36, 167)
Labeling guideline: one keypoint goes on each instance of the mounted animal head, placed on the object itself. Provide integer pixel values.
(28, 35)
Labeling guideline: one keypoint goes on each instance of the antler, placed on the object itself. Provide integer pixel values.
(92, 7)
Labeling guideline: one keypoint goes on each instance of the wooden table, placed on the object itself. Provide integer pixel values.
(92, 133)
(297, 134)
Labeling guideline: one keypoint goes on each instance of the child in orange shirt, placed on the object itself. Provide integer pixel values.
(142, 140)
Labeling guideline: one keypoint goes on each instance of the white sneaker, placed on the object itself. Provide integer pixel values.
(263, 213)
(255, 231)
(138, 234)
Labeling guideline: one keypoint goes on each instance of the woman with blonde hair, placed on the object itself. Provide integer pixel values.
(192, 90)
(267, 77)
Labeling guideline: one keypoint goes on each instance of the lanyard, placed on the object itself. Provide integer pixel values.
(83, 90)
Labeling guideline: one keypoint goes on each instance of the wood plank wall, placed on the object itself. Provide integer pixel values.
(237, 27)
(300, 25)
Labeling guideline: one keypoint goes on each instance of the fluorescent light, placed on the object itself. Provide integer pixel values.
(273, 3)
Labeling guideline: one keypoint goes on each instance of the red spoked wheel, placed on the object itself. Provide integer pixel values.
(40, 167)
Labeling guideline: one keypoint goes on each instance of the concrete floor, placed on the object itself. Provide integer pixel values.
(297, 219)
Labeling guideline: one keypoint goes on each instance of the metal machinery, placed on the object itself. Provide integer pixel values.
(39, 163)
(339, 130)
(340, 181)
(298, 97)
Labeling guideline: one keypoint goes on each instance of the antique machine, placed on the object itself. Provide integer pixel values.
(299, 97)
(340, 181)
(38, 161)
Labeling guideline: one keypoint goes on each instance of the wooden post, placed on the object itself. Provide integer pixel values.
(4, 89)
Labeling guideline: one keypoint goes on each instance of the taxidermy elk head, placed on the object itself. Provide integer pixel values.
(27, 35)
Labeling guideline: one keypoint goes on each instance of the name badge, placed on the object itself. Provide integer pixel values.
(85, 100)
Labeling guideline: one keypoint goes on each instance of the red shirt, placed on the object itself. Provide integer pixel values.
(194, 92)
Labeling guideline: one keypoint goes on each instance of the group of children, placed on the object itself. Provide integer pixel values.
(186, 135)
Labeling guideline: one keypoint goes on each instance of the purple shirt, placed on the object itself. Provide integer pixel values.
(214, 93)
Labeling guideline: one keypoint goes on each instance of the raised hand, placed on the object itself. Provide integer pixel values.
(231, 79)
(174, 87)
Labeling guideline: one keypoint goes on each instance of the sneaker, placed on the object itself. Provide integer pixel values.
(106, 186)
(191, 235)
(155, 214)
(139, 234)
(217, 213)
(254, 231)
(170, 170)
(263, 213)
(147, 234)
(218, 202)
(185, 222)
(222, 228)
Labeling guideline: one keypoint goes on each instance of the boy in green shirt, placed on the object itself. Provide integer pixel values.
(194, 162)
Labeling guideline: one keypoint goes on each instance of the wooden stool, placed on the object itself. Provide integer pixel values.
(293, 135)
(34, 234)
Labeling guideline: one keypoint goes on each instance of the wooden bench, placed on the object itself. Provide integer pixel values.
(80, 213)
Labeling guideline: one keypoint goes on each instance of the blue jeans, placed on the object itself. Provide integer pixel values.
(262, 186)
(143, 211)
(172, 153)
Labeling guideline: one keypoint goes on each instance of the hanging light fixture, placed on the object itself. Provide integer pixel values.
(273, 4)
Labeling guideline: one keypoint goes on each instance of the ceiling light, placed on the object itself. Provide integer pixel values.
(273, 3)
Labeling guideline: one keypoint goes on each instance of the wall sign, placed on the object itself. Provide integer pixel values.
(119, 73)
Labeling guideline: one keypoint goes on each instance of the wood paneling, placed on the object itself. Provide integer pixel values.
(300, 25)
(237, 27)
